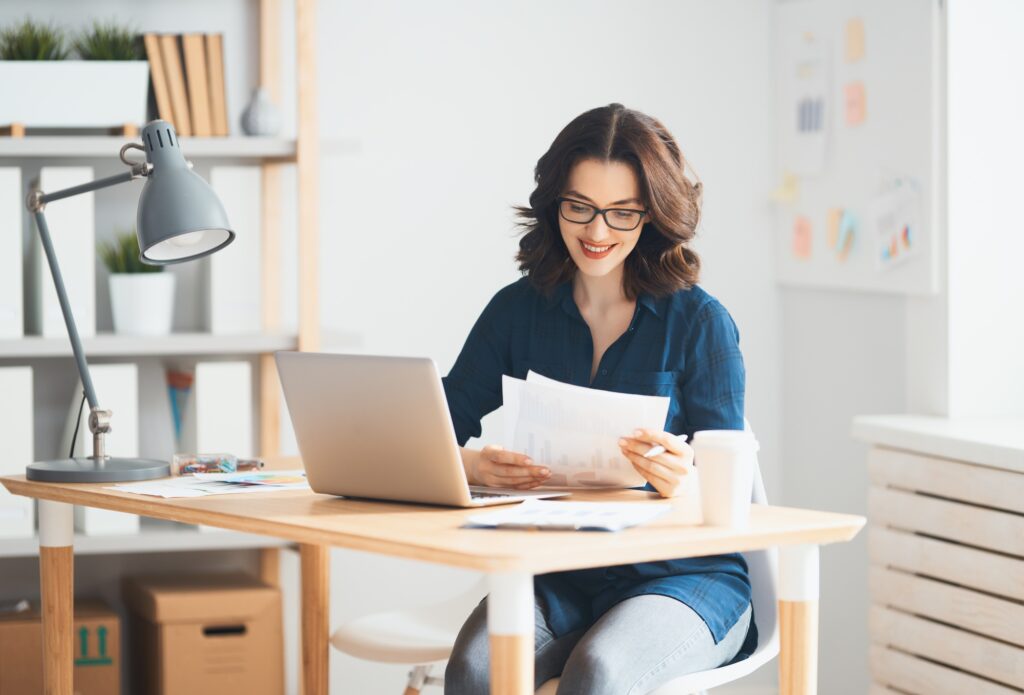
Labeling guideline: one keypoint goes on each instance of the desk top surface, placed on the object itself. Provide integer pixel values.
(432, 534)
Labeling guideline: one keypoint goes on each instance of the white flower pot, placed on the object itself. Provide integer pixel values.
(73, 93)
(142, 303)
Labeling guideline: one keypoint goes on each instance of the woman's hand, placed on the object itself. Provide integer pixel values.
(664, 471)
(495, 467)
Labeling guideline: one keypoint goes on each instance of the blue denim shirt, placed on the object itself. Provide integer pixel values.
(685, 346)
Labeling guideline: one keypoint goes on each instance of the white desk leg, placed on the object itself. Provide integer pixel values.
(57, 588)
(511, 629)
(798, 620)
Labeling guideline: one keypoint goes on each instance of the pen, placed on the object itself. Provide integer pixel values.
(659, 449)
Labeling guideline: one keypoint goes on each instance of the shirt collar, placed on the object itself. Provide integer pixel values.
(562, 296)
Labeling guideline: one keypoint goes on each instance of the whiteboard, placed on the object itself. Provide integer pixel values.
(876, 157)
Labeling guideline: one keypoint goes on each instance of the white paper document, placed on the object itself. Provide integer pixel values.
(570, 516)
(204, 484)
(574, 431)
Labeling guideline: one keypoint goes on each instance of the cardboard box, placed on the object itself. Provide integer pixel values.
(205, 635)
(97, 650)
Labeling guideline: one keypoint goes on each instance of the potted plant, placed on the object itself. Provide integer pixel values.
(141, 296)
(106, 87)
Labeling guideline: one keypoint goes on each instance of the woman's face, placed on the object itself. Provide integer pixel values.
(596, 248)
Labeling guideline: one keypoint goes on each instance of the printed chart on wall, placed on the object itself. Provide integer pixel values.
(857, 127)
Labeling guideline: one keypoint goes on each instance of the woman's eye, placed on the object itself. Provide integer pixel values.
(623, 214)
(579, 208)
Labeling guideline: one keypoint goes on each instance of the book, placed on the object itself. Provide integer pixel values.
(193, 48)
(235, 301)
(158, 79)
(175, 74)
(219, 415)
(117, 388)
(17, 518)
(12, 317)
(72, 226)
(218, 90)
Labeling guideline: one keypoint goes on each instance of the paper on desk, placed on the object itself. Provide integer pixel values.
(574, 431)
(200, 486)
(570, 516)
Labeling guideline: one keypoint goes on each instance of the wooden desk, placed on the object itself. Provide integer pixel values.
(510, 558)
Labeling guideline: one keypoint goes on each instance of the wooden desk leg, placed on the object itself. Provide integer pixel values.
(316, 602)
(511, 628)
(798, 620)
(57, 589)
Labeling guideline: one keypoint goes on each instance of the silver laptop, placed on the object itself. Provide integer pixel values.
(379, 427)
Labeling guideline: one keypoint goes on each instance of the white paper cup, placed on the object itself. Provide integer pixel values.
(725, 461)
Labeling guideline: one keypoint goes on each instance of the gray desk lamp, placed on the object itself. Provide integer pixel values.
(179, 219)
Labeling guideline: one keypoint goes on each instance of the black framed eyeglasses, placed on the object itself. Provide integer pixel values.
(622, 219)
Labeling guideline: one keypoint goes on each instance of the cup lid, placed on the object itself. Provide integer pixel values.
(726, 438)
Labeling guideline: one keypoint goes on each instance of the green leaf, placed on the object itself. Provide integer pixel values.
(109, 41)
(122, 255)
(32, 40)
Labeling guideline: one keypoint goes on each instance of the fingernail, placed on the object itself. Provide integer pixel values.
(545, 471)
(529, 462)
(638, 433)
(622, 442)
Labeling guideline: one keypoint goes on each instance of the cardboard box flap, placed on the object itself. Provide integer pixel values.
(202, 598)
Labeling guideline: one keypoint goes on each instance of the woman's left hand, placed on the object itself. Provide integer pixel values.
(664, 471)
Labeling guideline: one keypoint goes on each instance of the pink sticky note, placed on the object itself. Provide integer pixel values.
(856, 103)
(802, 237)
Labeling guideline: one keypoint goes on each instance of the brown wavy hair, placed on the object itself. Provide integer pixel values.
(662, 261)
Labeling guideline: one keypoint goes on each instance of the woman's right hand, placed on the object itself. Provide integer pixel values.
(495, 467)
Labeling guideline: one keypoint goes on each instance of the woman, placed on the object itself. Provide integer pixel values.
(609, 300)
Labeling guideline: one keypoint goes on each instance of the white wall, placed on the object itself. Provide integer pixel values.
(452, 104)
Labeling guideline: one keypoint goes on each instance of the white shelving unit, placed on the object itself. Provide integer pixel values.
(271, 155)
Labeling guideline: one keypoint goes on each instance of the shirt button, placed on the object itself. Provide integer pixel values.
(604, 372)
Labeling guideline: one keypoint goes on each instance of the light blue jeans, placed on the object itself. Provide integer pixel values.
(636, 646)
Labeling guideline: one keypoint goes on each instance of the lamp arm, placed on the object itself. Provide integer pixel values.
(99, 420)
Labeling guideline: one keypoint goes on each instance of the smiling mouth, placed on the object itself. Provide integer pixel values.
(593, 251)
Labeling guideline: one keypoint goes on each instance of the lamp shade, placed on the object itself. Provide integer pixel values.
(180, 218)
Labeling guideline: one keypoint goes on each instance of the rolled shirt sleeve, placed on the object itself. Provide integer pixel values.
(714, 379)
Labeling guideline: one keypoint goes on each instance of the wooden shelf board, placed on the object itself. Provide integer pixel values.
(112, 345)
(151, 539)
(110, 145)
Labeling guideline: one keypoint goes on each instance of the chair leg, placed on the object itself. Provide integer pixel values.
(417, 679)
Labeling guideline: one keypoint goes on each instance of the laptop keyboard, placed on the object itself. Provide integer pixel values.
(477, 495)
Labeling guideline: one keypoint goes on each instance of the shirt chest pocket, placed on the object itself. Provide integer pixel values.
(646, 383)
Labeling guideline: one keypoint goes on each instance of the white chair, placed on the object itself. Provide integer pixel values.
(763, 569)
(425, 635)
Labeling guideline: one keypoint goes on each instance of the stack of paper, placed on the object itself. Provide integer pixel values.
(574, 431)
(204, 484)
(571, 516)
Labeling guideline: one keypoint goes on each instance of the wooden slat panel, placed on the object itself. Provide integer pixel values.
(978, 655)
(970, 610)
(955, 563)
(912, 675)
(978, 526)
(957, 480)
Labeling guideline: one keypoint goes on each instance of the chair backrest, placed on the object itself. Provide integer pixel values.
(763, 570)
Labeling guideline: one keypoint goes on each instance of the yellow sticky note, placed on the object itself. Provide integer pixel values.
(789, 190)
(856, 103)
(802, 237)
(854, 40)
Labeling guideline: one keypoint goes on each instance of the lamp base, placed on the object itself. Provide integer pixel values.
(109, 469)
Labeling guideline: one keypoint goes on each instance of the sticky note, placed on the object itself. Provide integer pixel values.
(832, 227)
(802, 237)
(856, 103)
(854, 40)
(789, 190)
(845, 233)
